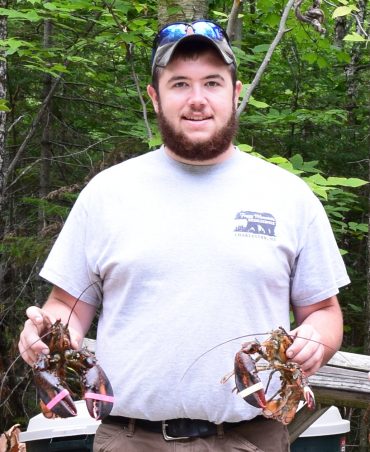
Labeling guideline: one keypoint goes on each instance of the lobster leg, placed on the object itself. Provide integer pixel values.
(246, 376)
(98, 392)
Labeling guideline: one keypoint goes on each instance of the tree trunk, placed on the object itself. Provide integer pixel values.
(3, 81)
(367, 307)
(351, 68)
(235, 24)
(340, 30)
(46, 130)
(181, 11)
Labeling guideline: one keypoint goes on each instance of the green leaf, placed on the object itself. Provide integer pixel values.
(245, 147)
(278, 160)
(257, 103)
(343, 57)
(59, 68)
(342, 11)
(317, 189)
(289, 167)
(155, 141)
(220, 14)
(297, 160)
(50, 6)
(3, 105)
(346, 182)
(321, 62)
(317, 179)
(361, 227)
(355, 307)
(354, 37)
(261, 48)
(309, 57)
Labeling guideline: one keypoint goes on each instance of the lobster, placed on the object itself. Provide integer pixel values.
(294, 383)
(51, 372)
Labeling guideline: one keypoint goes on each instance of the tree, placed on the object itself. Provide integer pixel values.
(175, 11)
(3, 106)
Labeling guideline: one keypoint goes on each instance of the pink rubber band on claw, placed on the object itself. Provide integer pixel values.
(102, 397)
(57, 399)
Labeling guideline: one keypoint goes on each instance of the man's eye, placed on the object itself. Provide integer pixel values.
(179, 84)
(212, 83)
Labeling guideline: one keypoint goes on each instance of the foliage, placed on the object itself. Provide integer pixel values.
(309, 115)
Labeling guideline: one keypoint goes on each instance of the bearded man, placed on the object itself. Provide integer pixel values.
(189, 245)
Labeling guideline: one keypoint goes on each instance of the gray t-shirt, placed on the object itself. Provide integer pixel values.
(186, 257)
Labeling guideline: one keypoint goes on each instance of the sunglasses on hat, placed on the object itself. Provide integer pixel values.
(169, 37)
(174, 32)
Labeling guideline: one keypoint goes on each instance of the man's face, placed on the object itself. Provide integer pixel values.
(195, 105)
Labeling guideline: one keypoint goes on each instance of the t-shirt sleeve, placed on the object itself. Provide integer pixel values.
(67, 264)
(319, 270)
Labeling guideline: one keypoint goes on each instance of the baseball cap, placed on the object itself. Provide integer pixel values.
(170, 36)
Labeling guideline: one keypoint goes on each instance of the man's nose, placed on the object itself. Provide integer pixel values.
(197, 97)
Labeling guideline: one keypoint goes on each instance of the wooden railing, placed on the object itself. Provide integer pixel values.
(344, 381)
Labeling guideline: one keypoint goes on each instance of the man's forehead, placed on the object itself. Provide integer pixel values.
(207, 63)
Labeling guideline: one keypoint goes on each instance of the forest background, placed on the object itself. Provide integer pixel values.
(73, 76)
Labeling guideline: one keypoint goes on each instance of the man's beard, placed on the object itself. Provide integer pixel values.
(199, 151)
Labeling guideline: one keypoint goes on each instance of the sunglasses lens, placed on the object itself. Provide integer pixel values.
(209, 29)
(174, 32)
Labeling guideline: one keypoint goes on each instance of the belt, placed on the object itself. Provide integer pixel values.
(175, 429)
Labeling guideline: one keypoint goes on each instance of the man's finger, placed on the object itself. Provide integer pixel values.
(39, 317)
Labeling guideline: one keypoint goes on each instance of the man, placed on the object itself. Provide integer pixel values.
(191, 245)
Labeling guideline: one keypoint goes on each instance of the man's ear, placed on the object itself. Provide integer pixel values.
(153, 96)
(238, 90)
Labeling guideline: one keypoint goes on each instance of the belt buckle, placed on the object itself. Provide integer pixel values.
(170, 438)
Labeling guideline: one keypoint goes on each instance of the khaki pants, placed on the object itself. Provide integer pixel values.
(262, 435)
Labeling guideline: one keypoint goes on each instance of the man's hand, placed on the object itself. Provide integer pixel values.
(30, 341)
(318, 336)
(307, 349)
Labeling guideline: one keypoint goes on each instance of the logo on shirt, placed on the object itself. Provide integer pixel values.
(255, 224)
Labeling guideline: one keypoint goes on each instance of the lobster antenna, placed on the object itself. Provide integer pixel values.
(77, 300)
(216, 346)
(249, 335)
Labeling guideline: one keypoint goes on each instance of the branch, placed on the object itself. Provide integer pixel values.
(32, 129)
(90, 101)
(14, 123)
(137, 84)
(130, 59)
(266, 60)
(313, 16)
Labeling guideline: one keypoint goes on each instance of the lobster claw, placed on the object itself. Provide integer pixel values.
(55, 399)
(98, 393)
(248, 384)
